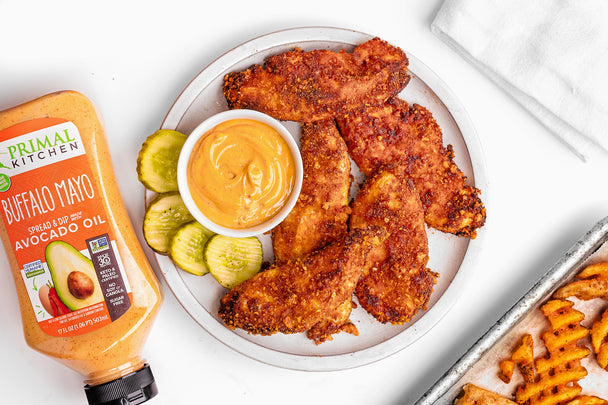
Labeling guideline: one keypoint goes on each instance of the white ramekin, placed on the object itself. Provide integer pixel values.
(184, 158)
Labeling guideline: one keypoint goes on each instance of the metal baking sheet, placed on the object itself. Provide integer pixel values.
(479, 365)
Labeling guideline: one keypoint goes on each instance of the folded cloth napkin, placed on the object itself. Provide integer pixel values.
(550, 55)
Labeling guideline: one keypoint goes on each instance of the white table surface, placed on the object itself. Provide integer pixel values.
(134, 58)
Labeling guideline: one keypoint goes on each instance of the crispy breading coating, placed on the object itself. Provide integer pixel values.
(296, 296)
(321, 214)
(320, 84)
(395, 283)
(409, 137)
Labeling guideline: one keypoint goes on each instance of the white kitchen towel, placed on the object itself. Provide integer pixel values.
(550, 55)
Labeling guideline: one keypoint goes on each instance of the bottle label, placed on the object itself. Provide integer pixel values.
(57, 226)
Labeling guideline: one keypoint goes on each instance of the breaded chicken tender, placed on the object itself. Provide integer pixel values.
(312, 294)
(410, 138)
(328, 251)
(320, 84)
(395, 283)
(321, 214)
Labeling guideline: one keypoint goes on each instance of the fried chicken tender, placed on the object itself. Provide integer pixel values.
(395, 283)
(409, 137)
(312, 294)
(321, 214)
(320, 84)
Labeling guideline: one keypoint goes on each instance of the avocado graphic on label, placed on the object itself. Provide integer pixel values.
(73, 275)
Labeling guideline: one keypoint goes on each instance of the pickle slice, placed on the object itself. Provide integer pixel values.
(157, 160)
(164, 215)
(233, 260)
(186, 247)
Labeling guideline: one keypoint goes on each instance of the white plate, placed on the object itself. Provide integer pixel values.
(451, 256)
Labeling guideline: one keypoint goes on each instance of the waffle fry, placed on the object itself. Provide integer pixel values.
(559, 372)
(506, 370)
(474, 395)
(599, 340)
(587, 400)
(592, 283)
(523, 356)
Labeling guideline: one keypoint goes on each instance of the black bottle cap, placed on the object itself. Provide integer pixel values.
(132, 389)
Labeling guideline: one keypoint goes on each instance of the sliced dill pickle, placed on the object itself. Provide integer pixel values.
(186, 247)
(233, 260)
(164, 215)
(157, 160)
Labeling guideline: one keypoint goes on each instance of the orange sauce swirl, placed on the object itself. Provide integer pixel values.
(241, 173)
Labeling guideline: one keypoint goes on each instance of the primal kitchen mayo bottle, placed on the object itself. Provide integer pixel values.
(86, 292)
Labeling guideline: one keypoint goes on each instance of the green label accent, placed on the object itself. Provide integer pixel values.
(5, 182)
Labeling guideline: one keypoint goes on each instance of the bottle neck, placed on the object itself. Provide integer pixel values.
(104, 376)
(134, 388)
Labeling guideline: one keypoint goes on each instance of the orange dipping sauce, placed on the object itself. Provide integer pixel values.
(241, 173)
